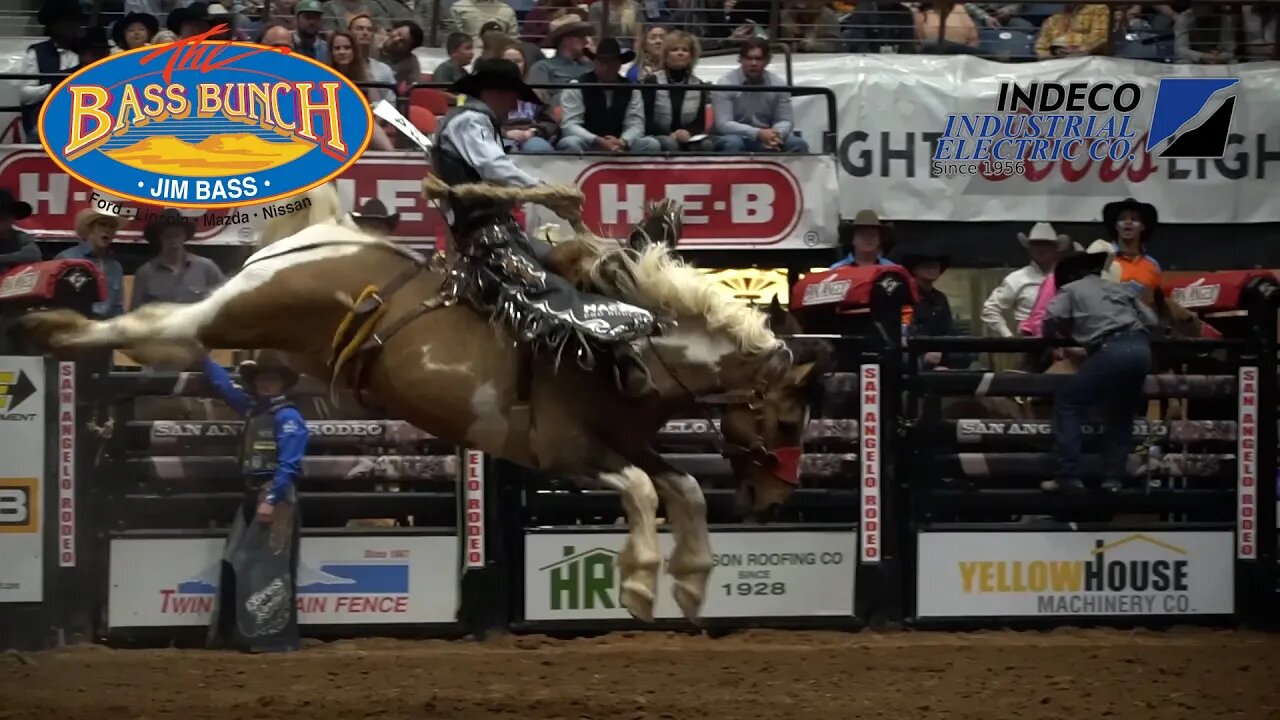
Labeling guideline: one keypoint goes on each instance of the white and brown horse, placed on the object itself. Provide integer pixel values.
(454, 374)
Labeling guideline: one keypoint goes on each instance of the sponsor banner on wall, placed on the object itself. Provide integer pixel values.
(356, 580)
(574, 576)
(1031, 574)
(786, 202)
(22, 466)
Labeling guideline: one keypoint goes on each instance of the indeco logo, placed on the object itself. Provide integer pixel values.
(19, 506)
(1192, 117)
(583, 580)
(203, 124)
(15, 388)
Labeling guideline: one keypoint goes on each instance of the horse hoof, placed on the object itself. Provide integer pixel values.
(638, 600)
(689, 601)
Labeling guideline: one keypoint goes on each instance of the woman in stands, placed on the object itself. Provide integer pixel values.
(348, 58)
(530, 127)
(650, 60)
(677, 118)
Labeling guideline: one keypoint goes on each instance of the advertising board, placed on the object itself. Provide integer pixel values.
(1055, 574)
(22, 464)
(356, 580)
(574, 576)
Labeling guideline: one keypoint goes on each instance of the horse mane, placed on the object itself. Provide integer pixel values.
(321, 205)
(655, 279)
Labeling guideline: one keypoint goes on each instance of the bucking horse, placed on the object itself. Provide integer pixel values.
(384, 321)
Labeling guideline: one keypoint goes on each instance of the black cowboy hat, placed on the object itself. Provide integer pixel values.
(375, 211)
(53, 11)
(16, 209)
(165, 220)
(94, 38)
(267, 361)
(1076, 265)
(195, 12)
(1111, 212)
(913, 259)
(147, 19)
(494, 74)
(609, 48)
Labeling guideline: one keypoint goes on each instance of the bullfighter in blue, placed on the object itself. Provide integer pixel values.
(256, 608)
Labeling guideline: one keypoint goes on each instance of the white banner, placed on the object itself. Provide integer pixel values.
(574, 576)
(356, 580)
(22, 456)
(1028, 574)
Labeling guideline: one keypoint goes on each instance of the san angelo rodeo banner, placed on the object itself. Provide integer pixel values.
(207, 125)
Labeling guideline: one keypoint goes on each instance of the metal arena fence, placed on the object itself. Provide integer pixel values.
(914, 508)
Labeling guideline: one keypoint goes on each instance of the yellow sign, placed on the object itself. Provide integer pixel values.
(758, 286)
(15, 388)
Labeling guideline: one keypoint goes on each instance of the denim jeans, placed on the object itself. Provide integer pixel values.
(1111, 378)
(734, 144)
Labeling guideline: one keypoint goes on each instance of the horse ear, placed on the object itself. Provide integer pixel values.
(777, 315)
(801, 375)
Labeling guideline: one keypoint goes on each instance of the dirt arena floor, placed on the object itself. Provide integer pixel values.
(1076, 674)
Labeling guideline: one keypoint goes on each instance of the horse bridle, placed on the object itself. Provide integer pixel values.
(756, 453)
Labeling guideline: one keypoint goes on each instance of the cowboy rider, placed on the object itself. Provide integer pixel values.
(262, 547)
(540, 306)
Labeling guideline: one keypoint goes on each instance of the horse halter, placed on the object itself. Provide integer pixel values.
(782, 463)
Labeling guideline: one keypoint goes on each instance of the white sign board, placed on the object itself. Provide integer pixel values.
(356, 580)
(574, 576)
(1029, 574)
(22, 455)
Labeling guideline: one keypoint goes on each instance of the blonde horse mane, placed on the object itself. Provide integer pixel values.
(652, 278)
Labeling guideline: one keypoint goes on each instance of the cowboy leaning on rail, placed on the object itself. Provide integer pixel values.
(540, 306)
(1113, 327)
(257, 593)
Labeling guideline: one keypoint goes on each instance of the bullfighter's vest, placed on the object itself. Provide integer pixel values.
(259, 453)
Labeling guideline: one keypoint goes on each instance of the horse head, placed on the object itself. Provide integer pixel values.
(766, 435)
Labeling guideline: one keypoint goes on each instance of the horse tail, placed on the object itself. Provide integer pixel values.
(319, 205)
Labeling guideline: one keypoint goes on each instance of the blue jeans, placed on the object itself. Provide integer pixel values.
(575, 144)
(734, 144)
(536, 145)
(1112, 377)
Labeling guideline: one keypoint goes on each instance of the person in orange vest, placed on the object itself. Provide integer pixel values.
(1131, 224)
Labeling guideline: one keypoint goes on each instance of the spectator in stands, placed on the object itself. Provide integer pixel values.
(1033, 326)
(375, 219)
(945, 27)
(677, 118)
(1131, 225)
(624, 22)
(755, 121)
(461, 49)
(1205, 34)
(1016, 294)
(361, 28)
(338, 14)
(530, 127)
(94, 46)
(422, 13)
(349, 60)
(538, 23)
(1080, 29)
(308, 18)
(219, 15)
(1113, 328)
(864, 241)
(932, 316)
(397, 51)
(811, 25)
(61, 20)
(880, 26)
(999, 15)
(1260, 23)
(96, 232)
(16, 246)
(568, 35)
(134, 30)
(604, 120)
(277, 36)
(650, 53)
(187, 21)
(174, 275)
(469, 16)
(263, 543)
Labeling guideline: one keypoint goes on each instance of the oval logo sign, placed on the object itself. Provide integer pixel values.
(200, 124)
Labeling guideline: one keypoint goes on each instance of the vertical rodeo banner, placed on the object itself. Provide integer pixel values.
(22, 457)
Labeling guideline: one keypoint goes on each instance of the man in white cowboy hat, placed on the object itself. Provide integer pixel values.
(96, 232)
(1016, 294)
(260, 560)
(1112, 326)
